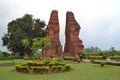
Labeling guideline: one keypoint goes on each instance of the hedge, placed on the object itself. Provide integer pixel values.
(70, 58)
(108, 63)
(95, 57)
(44, 66)
(43, 69)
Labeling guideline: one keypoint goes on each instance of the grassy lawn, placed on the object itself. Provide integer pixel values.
(15, 61)
(83, 71)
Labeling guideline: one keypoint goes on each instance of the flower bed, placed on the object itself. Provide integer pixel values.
(44, 66)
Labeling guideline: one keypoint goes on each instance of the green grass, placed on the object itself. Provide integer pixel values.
(83, 71)
(16, 61)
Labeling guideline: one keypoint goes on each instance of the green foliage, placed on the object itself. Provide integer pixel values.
(39, 69)
(92, 49)
(55, 59)
(29, 58)
(102, 64)
(112, 51)
(26, 43)
(41, 43)
(22, 68)
(67, 67)
(95, 57)
(70, 58)
(5, 56)
(113, 63)
(107, 63)
(22, 30)
(54, 68)
(43, 66)
(61, 68)
(115, 57)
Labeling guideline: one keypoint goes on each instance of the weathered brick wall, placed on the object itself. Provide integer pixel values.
(73, 44)
(52, 32)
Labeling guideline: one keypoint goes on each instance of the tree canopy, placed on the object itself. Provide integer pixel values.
(92, 49)
(21, 30)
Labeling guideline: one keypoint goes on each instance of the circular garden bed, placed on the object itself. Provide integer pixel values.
(43, 67)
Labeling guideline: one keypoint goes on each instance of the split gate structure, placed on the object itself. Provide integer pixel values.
(73, 44)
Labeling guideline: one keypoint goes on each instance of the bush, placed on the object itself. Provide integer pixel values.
(61, 68)
(38, 69)
(67, 67)
(22, 68)
(70, 58)
(29, 58)
(108, 63)
(36, 63)
(102, 64)
(95, 57)
(44, 66)
(54, 59)
(113, 63)
(54, 68)
(115, 57)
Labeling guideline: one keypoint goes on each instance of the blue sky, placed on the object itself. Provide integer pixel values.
(99, 19)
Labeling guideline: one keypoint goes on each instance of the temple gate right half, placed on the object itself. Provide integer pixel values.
(73, 44)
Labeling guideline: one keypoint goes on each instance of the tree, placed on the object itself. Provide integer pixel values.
(41, 43)
(92, 49)
(112, 51)
(26, 44)
(25, 27)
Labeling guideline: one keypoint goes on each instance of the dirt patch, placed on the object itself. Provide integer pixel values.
(7, 65)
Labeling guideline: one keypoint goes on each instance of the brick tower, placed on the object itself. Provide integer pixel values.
(73, 44)
(52, 32)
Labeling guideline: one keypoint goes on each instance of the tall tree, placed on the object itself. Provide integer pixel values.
(25, 27)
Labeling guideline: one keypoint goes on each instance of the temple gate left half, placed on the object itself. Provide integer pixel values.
(52, 32)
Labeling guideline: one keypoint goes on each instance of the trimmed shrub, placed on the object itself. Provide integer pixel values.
(39, 69)
(44, 66)
(61, 68)
(67, 67)
(22, 68)
(70, 58)
(95, 57)
(102, 64)
(108, 63)
(113, 63)
(29, 58)
(54, 68)
(115, 57)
